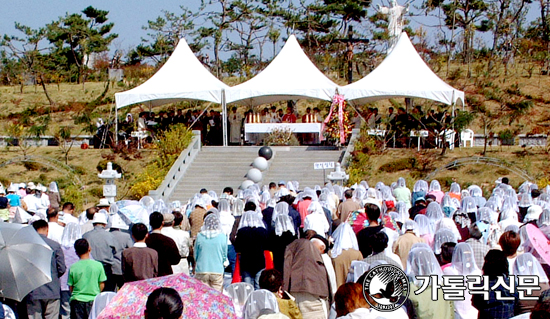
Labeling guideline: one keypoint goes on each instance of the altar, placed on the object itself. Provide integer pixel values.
(266, 128)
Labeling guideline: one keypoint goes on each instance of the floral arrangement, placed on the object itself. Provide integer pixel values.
(336, 127)
(281, 137)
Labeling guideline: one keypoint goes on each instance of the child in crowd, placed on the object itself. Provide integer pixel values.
(86, 281)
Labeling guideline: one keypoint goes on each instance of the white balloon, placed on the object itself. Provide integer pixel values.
(260, 163)
(246, 184)
(254, 175)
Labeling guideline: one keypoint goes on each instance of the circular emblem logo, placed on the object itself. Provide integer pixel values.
(386, 287)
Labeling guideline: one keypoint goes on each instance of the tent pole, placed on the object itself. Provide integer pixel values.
(224, 118)
(116, 125)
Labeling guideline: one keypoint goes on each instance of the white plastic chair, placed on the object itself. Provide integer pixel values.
(447, 136)
(466, 136)
(100, 302)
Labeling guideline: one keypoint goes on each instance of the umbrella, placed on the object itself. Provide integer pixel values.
(539, 242)
(199, 300)
(25, 261)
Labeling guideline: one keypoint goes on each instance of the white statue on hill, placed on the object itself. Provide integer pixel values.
(395, 15)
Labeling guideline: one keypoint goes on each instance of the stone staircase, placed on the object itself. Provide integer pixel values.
(216, 167)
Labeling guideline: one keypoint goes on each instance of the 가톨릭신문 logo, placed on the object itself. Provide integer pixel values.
(386, 287)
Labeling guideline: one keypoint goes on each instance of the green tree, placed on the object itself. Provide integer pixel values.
(249, 20)
(28, 51)
(77, 37)
(346, 11)
(220, 19)
(505, 19)
(164, 34)
(63, 138)
(468, 15)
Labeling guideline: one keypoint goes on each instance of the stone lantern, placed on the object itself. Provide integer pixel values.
(338, 175)
(109, 175)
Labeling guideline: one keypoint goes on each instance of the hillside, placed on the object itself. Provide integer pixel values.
(80, 104)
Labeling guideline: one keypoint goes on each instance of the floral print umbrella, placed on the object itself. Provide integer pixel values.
(199, 300)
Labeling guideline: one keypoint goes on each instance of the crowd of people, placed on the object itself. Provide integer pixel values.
(209, 122)
(403, 121)
(281, 251)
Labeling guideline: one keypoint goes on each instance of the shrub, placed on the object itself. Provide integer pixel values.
(150, 178)
(170, 145)
(174, 140)
(506, 137)
(399, 165)
(32, 166)
(96, 192)
(72, 193)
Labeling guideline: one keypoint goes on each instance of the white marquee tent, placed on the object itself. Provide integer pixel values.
(183, 77)
(291, 75)
(403, 73)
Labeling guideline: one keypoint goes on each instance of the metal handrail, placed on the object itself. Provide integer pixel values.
(178, 169)
(481, 160)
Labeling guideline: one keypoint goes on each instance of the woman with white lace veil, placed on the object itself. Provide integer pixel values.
(71, 233)
(420, 189)
(544, 222)
(402, 193)
(227, 221)
(435, 189)
(284, 232)
(425, 229)
(316, 220)
(434, 213)
(488, 216)
(477, 193)
(53, 196)
(422, 262)
(455, 191)
(211, 252)
(359, 195)
(373, 198)
(508, 216)
(344, 251)
(260, 302)
(264, 199)
(444, 235)
(525, 201)
(448, 206)
(469, 207)
(403, 211)
(463, 264)
(251, 242)
(527, 265)
(447, 223)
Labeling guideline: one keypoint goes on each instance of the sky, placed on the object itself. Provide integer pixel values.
(130, 16)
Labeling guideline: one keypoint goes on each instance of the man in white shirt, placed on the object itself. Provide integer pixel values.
(67, 213)
(35, 203)
(55, 231)
(182, 240)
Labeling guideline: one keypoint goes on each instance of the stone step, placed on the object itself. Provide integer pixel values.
(217, 167)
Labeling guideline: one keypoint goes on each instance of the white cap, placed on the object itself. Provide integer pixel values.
(117, 222)
(99, 218)
(104, 202)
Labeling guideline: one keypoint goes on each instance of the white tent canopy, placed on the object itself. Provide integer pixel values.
(182, 77)
(403, 73)
(291, 75)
